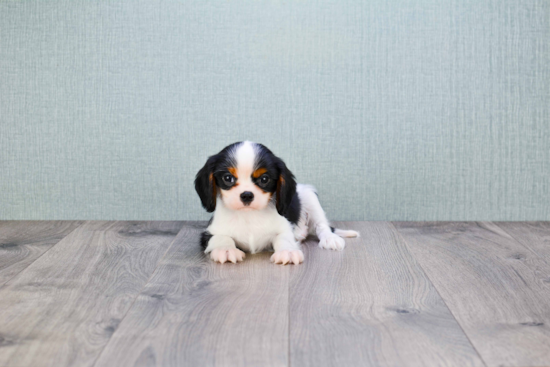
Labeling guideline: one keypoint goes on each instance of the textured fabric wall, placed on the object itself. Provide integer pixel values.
(393, 109)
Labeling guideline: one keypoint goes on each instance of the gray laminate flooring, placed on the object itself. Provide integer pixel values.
(98, 293)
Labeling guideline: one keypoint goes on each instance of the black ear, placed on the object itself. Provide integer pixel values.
(286, 188)
(205, 185)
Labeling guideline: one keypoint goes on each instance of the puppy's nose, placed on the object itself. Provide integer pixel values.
(247, 197)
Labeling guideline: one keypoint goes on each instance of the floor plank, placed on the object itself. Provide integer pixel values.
(64, 307)
(371, 305)
(194, 312)
(495, 287)
(532, 235)
(22, 242)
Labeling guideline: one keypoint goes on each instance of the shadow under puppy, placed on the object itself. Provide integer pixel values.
(257, 205)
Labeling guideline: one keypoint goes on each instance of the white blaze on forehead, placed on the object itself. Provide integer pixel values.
(245, 157)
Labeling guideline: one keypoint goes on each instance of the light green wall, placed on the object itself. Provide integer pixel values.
(427, 110)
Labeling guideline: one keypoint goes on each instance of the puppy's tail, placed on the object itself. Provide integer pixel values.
(344, 233)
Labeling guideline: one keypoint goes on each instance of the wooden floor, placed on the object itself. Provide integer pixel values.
(404, 294)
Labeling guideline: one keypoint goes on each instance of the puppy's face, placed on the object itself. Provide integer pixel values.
(245, 176)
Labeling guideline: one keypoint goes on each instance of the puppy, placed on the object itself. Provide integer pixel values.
(258, 205)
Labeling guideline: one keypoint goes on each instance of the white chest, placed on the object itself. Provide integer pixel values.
(253, 231)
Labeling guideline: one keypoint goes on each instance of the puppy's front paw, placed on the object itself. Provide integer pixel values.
(227, 254)
(332, 242)
(287, 257)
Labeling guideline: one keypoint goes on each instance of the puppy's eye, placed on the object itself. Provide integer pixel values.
(229, 179)
(264, 179)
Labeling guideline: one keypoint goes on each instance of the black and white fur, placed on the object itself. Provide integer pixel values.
(258, 205)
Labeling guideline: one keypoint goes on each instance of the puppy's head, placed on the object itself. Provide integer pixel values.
(245, 176)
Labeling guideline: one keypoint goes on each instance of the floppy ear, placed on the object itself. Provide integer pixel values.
(286, 188)
(205, 185)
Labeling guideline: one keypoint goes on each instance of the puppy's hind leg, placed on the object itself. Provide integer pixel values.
(345, 233)
(329, 238)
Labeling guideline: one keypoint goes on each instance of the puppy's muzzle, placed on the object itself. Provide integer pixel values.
(247, 197)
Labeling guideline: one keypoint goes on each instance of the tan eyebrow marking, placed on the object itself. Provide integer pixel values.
(260, 171)
(233, 171)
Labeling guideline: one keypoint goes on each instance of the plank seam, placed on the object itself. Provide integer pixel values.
(139, 293)
(437, 290)
(529, 248)
(52, 246)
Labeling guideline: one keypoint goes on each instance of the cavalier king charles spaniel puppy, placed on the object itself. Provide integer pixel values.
(258, 205)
